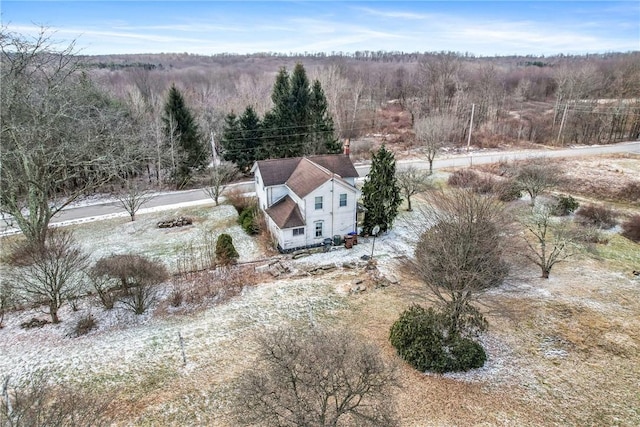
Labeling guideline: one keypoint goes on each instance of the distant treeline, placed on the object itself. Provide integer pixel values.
(160, 60)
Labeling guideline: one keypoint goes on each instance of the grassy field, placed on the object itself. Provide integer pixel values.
(561, 351)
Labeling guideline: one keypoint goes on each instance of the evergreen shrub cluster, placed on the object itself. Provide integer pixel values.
(565, 205)
(421, 338)
(225, 251)
(247, 220)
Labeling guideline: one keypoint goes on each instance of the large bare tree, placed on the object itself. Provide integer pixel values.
(316, 377)
(461, 254)
(50, 272)
(61, 135)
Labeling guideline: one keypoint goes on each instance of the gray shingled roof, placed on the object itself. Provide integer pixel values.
(337, 163)
(278, 171)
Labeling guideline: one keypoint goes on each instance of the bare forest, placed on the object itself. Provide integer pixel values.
(560, 100)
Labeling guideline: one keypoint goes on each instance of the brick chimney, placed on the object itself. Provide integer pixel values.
(346, 145)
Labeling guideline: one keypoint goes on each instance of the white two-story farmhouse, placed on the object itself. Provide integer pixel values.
(307, 199)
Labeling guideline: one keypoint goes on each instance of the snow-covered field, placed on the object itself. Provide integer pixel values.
(125, 345)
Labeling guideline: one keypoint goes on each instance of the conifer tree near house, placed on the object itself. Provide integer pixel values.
(298, 124)
(251, 134)
(278, 122)
(299, 97)
(189, 151)
(242, 139)
(381, 192)
(321, 138)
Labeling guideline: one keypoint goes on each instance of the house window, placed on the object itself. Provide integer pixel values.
(318, 202)
(298, 231)
(318, 229)
(343, 200)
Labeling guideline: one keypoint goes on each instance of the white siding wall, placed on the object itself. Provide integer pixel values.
(261, 193)
(269, 195)
(344, 218)
(335, 219)
(290, 241)
(275, 232)
(276, 193)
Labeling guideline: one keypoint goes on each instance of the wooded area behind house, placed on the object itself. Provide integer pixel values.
(74, 124)
(516, 98)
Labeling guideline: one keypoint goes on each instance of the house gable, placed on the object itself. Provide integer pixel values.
(286, 213)
(306, 177)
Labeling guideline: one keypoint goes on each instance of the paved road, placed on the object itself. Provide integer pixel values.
(198, 197)
(494, 157)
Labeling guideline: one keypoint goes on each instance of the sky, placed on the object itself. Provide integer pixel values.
(481, 28)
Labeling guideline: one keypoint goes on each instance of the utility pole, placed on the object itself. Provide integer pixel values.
(564, 116)
(214, 152)
(473, 107)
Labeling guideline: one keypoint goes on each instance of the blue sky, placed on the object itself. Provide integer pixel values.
(208, 27)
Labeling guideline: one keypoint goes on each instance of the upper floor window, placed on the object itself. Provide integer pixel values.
(343, 200)
(318, 202)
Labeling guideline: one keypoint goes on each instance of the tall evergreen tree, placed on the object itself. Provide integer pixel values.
(381, 192)
(298, 123)
(180, 126)
(299, 99)
(230, 141)
(251, 140)
(277, 122)
(321, 137)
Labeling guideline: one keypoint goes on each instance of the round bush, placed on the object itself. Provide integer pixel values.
(462, 178)
(598, 216)
(508, 191)
(419, 338)
(465, 354)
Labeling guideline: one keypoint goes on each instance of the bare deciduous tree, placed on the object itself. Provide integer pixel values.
(546, 243)
(316, 377)
(461, 254)
(61, 135)
(132, 198)
(440, 80)
(36, 402)
(432, 133)
(537, 176)
(6, 297)
(219, 176)
(51, 271)
(412, 181)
